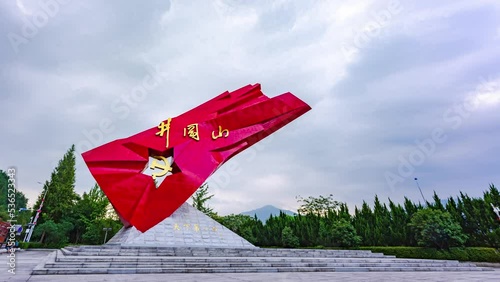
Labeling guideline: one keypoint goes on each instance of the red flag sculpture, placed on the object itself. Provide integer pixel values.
(198, 141)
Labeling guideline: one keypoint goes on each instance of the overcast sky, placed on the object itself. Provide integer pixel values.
(398, 90)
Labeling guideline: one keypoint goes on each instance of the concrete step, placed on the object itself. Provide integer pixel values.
(206, 250)
(202, 252)
(77, 261)
(239, 270)
(225, 255)
(243, 259)
(242, 264)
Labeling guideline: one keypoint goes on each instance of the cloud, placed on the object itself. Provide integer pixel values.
(380, 76)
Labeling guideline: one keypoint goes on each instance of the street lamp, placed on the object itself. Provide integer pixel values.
(416, 180)
(106, 234)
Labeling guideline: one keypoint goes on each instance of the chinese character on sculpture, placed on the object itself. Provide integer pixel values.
(197, 143)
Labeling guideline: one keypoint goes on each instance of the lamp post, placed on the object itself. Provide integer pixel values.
(425, 201)
(106, 234)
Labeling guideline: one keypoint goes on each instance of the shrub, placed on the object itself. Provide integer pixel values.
(435, 228)
(288, 239)
(54, 234)
(344, 234)
(462, 254)
(30, 245)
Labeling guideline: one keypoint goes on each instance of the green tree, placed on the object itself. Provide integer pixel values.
(435, 228)
(344, 235)
(20, 199)
(288, 239)
(476, 219)
(325, 234)
(437, 202)
(492, 198)
(8, 209)
(200, 199)
(364, 222)
(452, 208)
(90, 216)
(61, 196)
(94, 233)
(411, 208)
(317, 206)
(54, 234)
(4, 216)
(399, 225)
(382, 220)
(241, 225)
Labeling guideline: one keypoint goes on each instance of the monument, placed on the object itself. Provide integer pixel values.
(149, 176)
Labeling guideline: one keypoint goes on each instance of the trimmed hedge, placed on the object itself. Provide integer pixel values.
(37, 245)
(474, 254)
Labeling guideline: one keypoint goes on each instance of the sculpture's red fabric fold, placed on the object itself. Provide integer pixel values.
(199, 141)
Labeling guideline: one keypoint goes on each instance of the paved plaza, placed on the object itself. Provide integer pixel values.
(27, 260)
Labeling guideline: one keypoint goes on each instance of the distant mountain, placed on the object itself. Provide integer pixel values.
(266, 211)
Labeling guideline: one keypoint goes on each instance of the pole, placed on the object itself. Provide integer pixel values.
(106, 234)
(422, 194)
(28, 229)
(38, 212)
(496, 211)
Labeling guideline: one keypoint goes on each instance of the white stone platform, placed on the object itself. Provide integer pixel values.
(186, 227)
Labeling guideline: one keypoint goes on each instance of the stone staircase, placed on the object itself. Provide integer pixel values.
(130, 260)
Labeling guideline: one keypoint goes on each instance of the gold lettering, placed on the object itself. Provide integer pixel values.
(164, 127)
(192, 131)
(222, 133)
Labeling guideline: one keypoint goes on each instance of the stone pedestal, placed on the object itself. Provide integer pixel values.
(186, 227)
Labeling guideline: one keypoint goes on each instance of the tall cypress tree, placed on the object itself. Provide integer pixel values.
(492, 197)
(364, 224)
(438, 205)
(475, 217)
(411, 208)
(399, 225)
(382, 222)
(61, 196)
(452, 208)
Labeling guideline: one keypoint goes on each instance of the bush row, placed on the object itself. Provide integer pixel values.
(38, 245)
(474, 254)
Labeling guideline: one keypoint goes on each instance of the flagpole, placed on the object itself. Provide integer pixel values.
(35, 220)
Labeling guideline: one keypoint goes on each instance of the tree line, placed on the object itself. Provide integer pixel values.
(66, 217)
(456, 221)
(70, 218)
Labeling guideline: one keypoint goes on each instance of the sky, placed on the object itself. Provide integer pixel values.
(399, 90)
